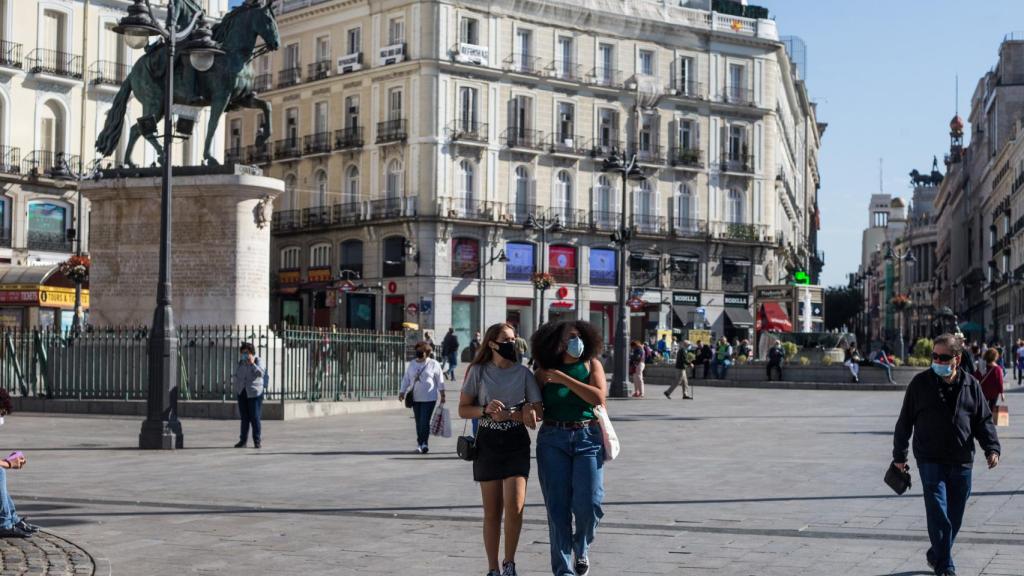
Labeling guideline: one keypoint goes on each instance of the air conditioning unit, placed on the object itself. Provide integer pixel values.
(350, 63)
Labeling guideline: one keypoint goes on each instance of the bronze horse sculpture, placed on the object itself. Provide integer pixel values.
(228, 85)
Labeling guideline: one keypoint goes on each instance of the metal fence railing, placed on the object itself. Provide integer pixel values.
(307, 364)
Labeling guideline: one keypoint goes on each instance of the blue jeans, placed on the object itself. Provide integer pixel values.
(570, 466)
(946, 489)
(453, 361)
(250, 409)
(888, 369)
(8, 515)
(423, 411)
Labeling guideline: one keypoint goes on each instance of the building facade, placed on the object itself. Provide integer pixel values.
(53, 103)
(420, 143)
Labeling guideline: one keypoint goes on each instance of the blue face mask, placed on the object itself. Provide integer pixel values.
(942, 370)
(575, 348)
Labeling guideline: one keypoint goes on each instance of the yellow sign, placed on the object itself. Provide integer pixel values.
(61, 297)
(695, 335)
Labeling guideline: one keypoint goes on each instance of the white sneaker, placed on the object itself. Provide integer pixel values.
(419, 449)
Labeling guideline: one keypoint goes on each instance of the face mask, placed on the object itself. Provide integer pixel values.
(942, 370)
(575, 348)
(243, 356)
(507, 350)
(421, 354)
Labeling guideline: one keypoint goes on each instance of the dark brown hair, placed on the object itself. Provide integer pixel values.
(549, 342)
(485, 354)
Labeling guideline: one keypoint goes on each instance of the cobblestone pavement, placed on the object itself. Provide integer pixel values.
(734, 483)
(43, 554)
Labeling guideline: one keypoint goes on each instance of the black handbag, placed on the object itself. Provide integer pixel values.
(897, 479)
(465, 447)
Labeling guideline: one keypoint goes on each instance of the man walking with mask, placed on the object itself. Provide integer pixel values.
(945, 410)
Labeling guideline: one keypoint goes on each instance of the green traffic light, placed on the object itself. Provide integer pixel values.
(801, 277)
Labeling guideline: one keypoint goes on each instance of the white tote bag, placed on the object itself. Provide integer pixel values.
(441, 422)
(611, 439)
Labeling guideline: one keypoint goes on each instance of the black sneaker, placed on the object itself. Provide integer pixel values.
(508, 569)
(257, 444)
(14, 532)
(582, 567)
(30, 528)
(241, 444)
(929, 559)
(426, 449)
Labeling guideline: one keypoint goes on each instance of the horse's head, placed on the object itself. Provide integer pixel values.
(265, 25)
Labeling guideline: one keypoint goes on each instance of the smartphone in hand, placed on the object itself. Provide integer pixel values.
(15, 456)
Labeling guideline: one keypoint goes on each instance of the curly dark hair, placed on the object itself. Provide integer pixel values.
(6, 406)
(549, 342)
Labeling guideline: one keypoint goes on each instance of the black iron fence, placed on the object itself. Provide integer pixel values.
(43, 60)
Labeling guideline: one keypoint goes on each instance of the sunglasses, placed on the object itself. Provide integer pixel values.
(943, 357)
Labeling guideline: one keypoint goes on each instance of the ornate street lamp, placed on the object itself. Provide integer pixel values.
(63, 171)
(161, 428)
(629, 171)
(543, 225)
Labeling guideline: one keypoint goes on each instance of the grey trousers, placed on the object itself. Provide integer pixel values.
(684, 381)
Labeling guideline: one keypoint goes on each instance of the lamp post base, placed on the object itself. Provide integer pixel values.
(161, 435)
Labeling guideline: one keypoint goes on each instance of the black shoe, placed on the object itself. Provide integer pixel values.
(241, 444)
(949, 572)
(256, 443)
(14, 532)
(426, 449)
(582, 567)
(667, 395)
(24, 525)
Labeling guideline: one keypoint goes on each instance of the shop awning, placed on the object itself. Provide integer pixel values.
(683, 311)
(739, 317)
(773, 318)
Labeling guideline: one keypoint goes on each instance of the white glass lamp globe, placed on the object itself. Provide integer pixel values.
(136, 42)
(201, 61)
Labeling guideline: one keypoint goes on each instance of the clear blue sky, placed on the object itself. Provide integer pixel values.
(883, 74)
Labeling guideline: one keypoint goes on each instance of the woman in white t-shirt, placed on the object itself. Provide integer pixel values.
(424, 379)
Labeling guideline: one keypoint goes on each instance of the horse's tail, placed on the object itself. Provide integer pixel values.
(107, 141)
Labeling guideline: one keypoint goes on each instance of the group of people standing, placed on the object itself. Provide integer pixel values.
(559, 394)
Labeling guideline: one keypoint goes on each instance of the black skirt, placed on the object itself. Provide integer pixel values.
(501, 453)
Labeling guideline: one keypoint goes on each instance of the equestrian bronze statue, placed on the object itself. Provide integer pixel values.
(228, 85)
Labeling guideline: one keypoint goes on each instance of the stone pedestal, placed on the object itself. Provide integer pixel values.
(220, 249)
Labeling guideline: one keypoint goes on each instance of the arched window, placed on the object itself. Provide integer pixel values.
(524, 194)
(734, 207)
(290, 258)
(352, 259)
(466, 198)
(321, 190)
(48, 223)
(563, 196)
(393, 180)
(352, 185)
(51, 131)
(320, 256)
(686, 209)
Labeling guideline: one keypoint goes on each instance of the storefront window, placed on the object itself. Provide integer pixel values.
(685, 272)
(521, 261)
(562, 263)
(735, 275)
(47, 227)
(465, 258)
(643, 270)
(602, 267)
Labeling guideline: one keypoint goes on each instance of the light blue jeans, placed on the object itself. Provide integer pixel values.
(8, 515)
(570, 466)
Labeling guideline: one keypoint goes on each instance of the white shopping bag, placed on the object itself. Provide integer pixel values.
(441, 422)
(611, 440)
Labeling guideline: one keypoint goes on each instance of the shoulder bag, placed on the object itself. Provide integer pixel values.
(465, 446)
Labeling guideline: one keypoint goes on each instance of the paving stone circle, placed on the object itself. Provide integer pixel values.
(45, 555)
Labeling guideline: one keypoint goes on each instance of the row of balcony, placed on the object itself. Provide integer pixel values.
(313, 144)
(292, 75)
(360, 213)
(36, 163)
(64, 64)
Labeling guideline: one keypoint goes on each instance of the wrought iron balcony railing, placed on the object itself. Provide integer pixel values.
(603, 147)
(651, 154)
(55, 62)
(287, 148)
(649, 224)
(523, 138)
(689, 89)
(289, 77)
(604, 221)
(689, 227)
(739, 163)
(351, 137)
(10, 54)
(46, 162)
(607, 77)
(263, 82)
(319, 143)
(392, 131)
(258, 154)
(107, 72)
(566, 144)
(234, 155)
(10, 160)
(564, 70)
(524, 64)
(686, 157)
(738, 95)
(462, 130)
(318, 70)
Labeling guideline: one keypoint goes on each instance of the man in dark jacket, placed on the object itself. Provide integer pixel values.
(945, 410)
(450, 352)
(776, 355)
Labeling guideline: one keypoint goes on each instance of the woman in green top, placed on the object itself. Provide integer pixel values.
(570, 446)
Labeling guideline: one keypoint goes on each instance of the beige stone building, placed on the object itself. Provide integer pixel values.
(417, 139)
(53, 102)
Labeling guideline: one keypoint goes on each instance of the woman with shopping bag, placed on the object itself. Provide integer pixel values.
(424, 381)
(571, 443)
(503, 394)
